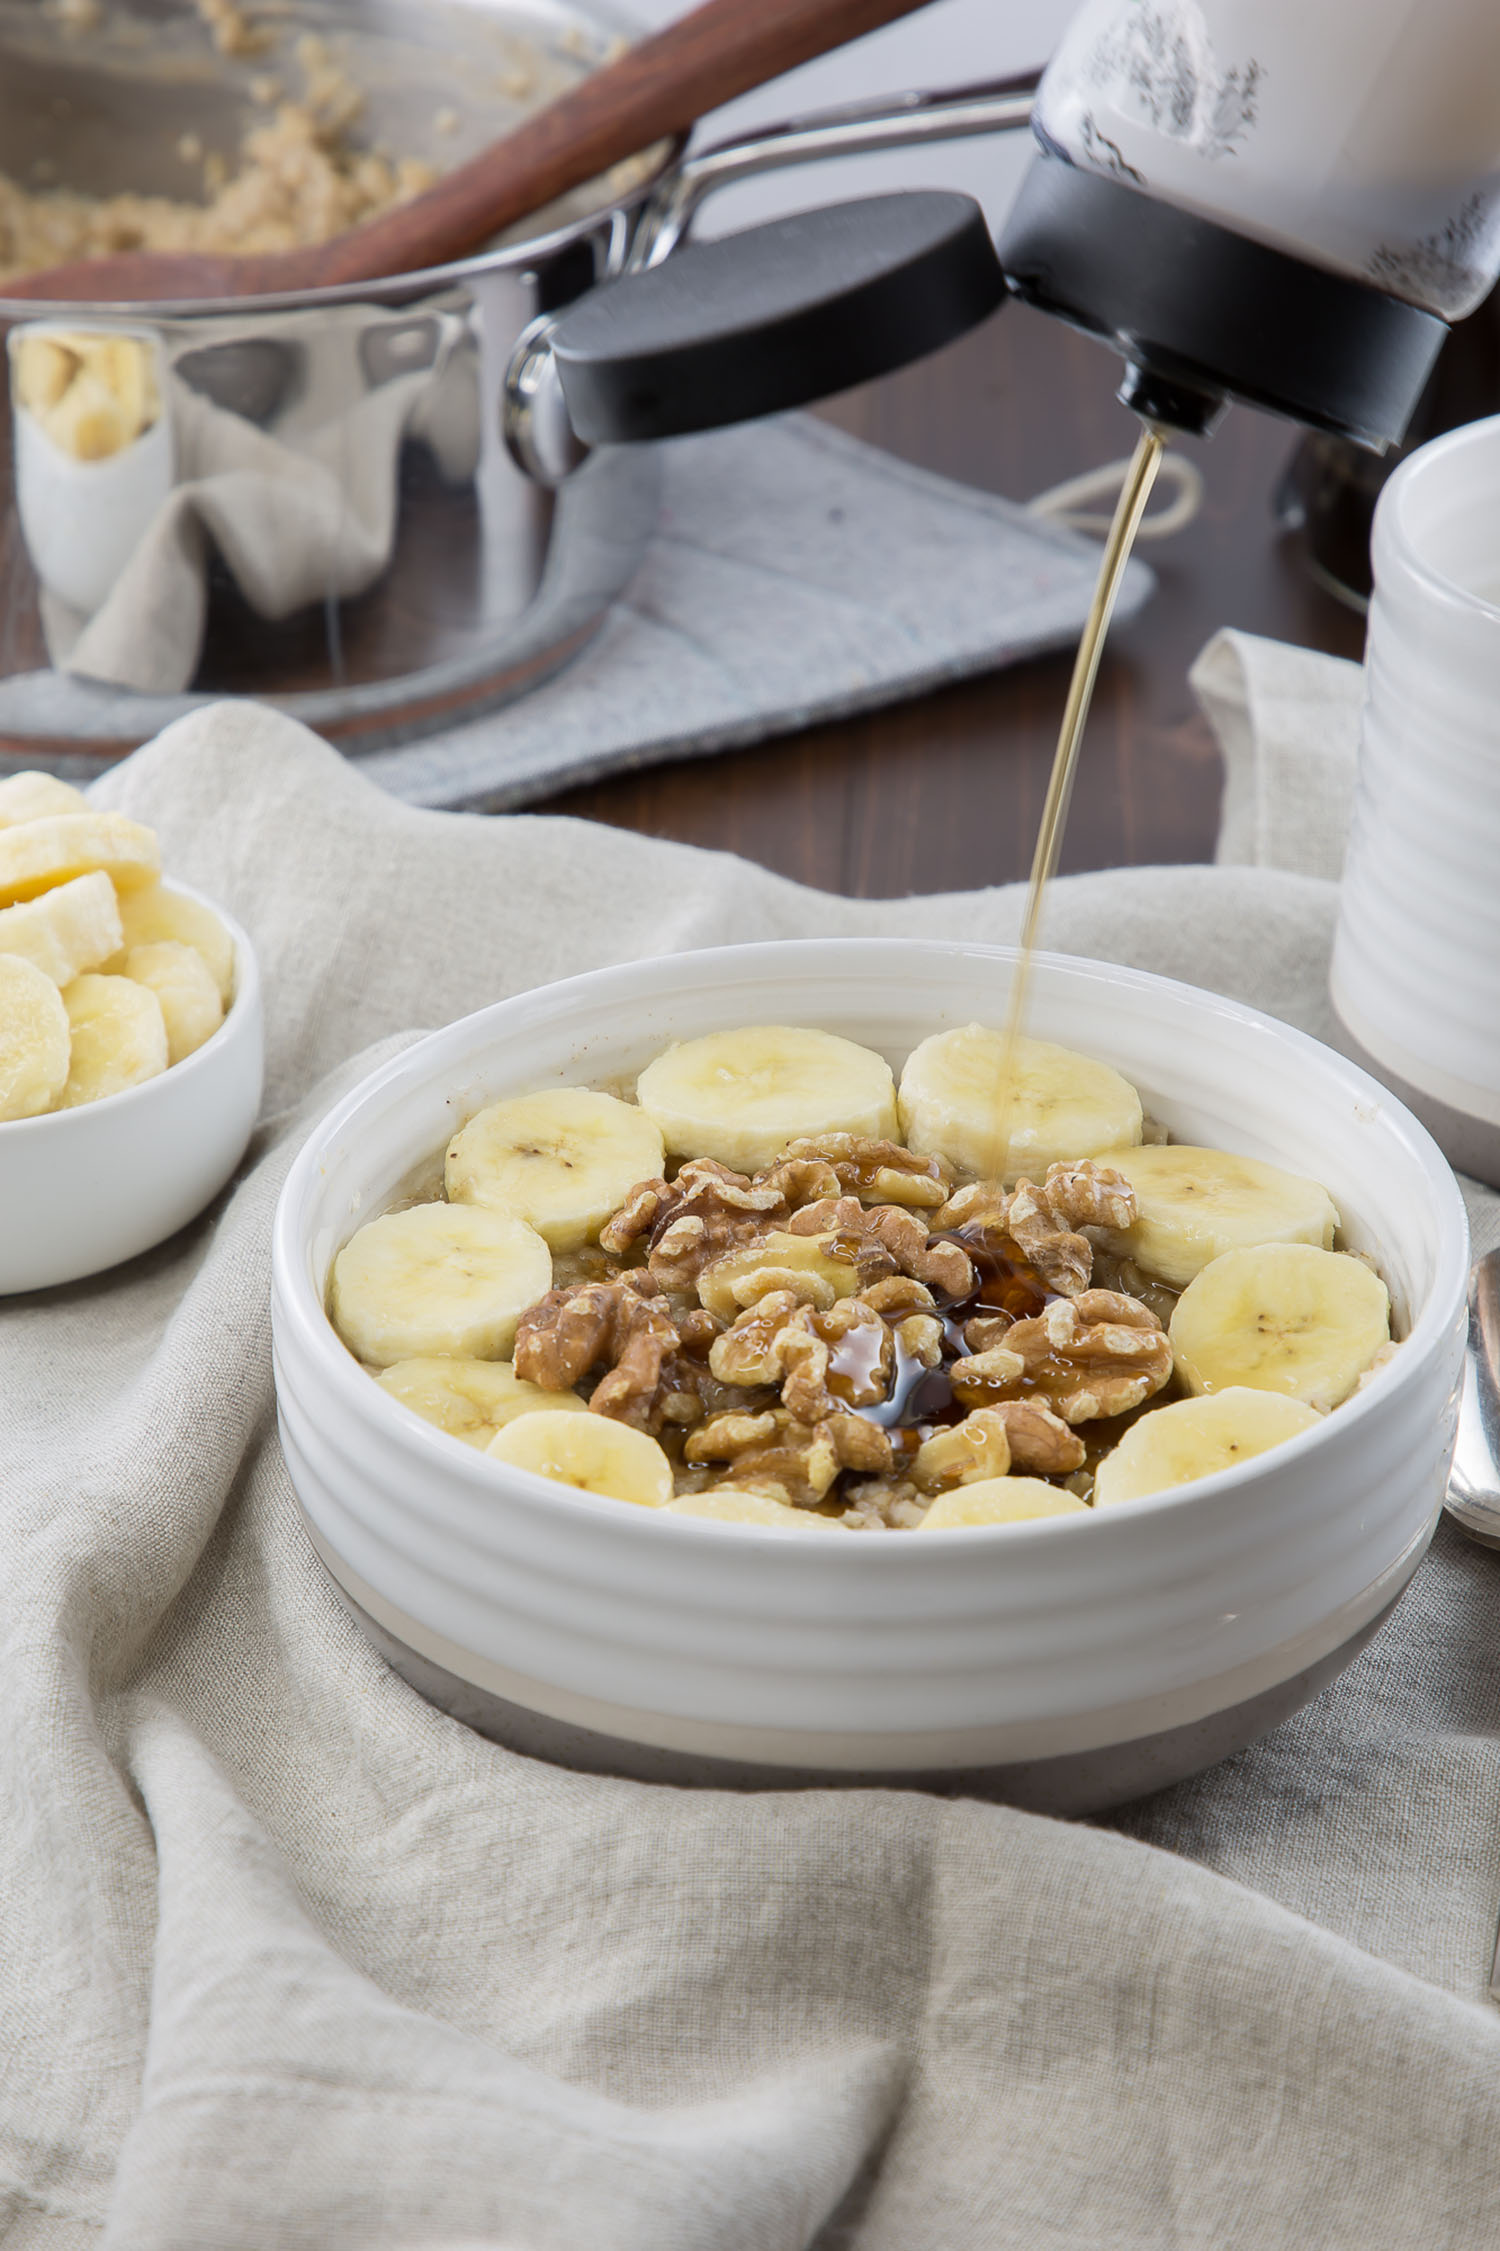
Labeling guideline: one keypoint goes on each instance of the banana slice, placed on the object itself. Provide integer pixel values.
(741, 1096)
(153, 915)
(589, 1452)
(1197, 1438)
(34, 855)
(1192, 1205)
(472, 1399)
(89, 422)
(67, 930)
(727, 1287)
(119, 1038)
(562, 1160)
(738, 1504)
(438, 1281)
(1284, 1317)
(125, 366)
(999, 1500)
(184, 984)
(959, 1100)
(42, 367)
(35, 1040)
(32, 797)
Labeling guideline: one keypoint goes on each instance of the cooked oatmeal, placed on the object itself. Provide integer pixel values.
(844, 1330)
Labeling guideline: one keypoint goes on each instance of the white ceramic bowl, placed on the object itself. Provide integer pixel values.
(1069, 1662)
(85, 1189)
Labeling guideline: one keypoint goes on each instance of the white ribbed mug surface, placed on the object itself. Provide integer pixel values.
(1416, 959)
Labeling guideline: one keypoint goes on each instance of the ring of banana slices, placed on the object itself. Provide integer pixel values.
(107, 978)
(779, 1288)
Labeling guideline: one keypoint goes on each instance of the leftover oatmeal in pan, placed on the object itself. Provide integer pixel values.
(777, 1287)
(301, 177)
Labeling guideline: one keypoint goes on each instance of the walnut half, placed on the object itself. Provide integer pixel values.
(825, 1360)
(1044, 1222)
(568, 1332)
(1088, 1356)
(896, 1233)
(1016, 1434)
(877, 1172)
(794, 1461)
(693, 1220)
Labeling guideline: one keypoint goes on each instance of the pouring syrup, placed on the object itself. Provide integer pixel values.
(922, 1399)
(1129, 509)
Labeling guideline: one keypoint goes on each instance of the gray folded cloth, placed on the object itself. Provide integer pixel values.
(796, 575)
(293, 1960)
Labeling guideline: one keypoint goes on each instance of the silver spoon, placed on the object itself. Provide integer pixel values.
(1474, 1483)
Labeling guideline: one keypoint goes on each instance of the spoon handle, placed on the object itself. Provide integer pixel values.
(1474, 1483)
(657, 89)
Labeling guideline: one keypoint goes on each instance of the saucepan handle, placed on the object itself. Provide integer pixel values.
(911, 120)
(538, 423)
(751, 324)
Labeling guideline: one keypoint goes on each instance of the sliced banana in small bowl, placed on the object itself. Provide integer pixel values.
(131, 1042)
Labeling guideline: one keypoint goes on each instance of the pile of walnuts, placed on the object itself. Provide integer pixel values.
(769, 1329)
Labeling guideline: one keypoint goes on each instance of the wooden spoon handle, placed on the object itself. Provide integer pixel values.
(658, 88)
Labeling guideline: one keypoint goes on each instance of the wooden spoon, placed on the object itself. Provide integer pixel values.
(658, 88)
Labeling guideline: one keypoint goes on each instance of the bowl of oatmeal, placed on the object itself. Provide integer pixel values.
(744, 1368)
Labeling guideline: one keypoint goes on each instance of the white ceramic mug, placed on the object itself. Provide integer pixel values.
(1416, 960)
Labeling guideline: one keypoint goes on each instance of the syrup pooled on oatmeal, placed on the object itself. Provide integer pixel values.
(1130, 508)
(923, 1398)
(854, 1364)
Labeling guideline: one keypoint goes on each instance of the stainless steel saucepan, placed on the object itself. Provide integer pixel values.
(376, 506)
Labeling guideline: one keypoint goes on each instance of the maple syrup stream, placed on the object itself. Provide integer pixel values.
(923, 1398)
(1129, 509)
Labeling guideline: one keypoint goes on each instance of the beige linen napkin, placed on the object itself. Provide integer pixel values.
(1288, 724)
(293, 1960)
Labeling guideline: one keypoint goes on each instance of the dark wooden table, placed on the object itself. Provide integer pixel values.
(945, 793)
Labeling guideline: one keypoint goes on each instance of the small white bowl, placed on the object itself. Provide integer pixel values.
(1070, 1662)
(82, 521)
(86, 1189)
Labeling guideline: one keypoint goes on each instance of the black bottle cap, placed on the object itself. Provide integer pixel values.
(1202, 313)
